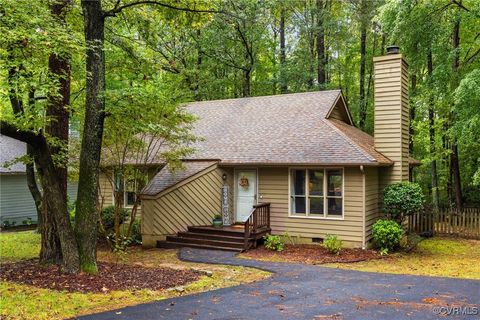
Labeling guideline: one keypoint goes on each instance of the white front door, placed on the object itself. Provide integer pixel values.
(246, 197)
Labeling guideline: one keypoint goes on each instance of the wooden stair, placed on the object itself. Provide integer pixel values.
(207, 237)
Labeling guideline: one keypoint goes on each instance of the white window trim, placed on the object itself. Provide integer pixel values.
(124, 193)
(325, 191)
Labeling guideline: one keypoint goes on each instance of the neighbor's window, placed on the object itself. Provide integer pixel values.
(316, 192)
(129, 190)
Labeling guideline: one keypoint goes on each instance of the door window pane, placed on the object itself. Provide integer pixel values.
(298, 182)
(334, 183)
(316, 205)
(335, 206)
(315, 182)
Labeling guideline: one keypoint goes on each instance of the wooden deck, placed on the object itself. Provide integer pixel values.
(238, 237)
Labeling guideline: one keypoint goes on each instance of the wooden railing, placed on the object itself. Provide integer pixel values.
(465, 223)
(258, 219)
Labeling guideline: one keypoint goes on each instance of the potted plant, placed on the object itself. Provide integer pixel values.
(217, 220)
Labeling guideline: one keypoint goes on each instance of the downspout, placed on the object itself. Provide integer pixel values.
(362, 170)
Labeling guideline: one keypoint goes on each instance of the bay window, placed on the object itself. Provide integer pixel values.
(316, 193)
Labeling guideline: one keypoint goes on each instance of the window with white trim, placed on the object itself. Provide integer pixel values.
(316, 193)
(129, 190)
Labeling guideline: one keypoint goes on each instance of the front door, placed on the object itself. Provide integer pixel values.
(246, 193)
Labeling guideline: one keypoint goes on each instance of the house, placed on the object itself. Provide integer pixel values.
(16, 202)
(292, 163)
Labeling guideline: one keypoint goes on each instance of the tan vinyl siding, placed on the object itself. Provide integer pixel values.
(193, 202)
(273, 187)
(372, 196)
(105, 195)
(392, 115)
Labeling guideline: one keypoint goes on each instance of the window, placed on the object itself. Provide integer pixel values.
(129, 190)
(316, 192)
(129, 193)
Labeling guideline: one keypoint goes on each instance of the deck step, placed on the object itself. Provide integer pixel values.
(174, 245)
(205, 241)
(217, 231)
(218, 237)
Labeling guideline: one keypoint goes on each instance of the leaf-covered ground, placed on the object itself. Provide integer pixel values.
(311, 254)
(442, 257)
(23, 301)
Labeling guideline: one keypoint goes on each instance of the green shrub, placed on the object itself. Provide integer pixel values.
(332, 244)
(402, 199)
(387, 235)
(108, 216)
(273, 243)
(136, 231)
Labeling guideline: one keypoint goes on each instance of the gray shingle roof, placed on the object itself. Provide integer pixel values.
(10, 149)
(166, 178)
(281, 129)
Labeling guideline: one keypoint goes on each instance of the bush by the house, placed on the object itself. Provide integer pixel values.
(273, 243)
(108, 217)
(402, 199)
(332, 244)
(136, 231)
(387, 235)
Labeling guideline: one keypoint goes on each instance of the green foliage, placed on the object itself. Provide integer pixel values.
(402, 199)
(332, 244)
(108, 216)
(387, 235)
(8, 224)
(273, 243)
(137, 231)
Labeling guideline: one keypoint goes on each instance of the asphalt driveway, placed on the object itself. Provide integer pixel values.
(298, 291)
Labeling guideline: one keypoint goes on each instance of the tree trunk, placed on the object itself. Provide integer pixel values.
(454, 160)
(246, 83)
(321, 62)
(86, 218)
(283, 78)
(55, 202)
(198, 67)
(363, 59)
(431, 121)
(57, 112)
(412, 118)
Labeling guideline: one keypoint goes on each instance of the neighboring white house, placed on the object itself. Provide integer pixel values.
(16, 202)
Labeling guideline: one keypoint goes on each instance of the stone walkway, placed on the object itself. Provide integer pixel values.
(297, 291)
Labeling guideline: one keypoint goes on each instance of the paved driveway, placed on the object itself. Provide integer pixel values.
(298, 291)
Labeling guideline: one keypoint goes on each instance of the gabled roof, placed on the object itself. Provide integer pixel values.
(289, 129)
(11, 149)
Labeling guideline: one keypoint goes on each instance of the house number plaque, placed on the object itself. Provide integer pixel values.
(226, 206)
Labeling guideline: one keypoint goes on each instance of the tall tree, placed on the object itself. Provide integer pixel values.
(454, 161)
(283, 79)
(320, 45)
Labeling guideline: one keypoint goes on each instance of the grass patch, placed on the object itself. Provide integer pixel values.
(437, 256)
(16, 246)
(18, 301)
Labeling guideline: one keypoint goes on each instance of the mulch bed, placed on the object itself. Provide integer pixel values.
(110, 276)
(312, 254)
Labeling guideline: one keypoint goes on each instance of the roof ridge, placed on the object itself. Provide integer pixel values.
(350, 141)
(264, 96)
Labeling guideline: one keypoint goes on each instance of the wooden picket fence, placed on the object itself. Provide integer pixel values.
(447, 221)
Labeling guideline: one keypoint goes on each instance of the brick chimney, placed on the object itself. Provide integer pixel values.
(392, 116)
